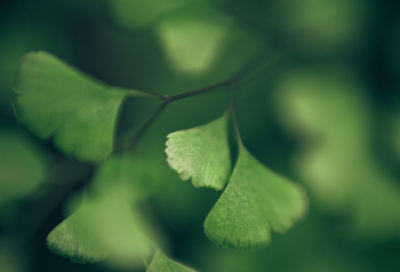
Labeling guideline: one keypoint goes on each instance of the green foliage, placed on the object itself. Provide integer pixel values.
(255, 201)
(201, 153)
(192, 38)
(79, 111)
(176, 49)
(316, 21)
(134, 177)
(161, 263)
(73, 238)
(22, 170)
(341, 160)
(103, 227)
(137, 14)
(108, 224)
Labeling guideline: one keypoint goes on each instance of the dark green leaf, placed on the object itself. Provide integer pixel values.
(22, 169)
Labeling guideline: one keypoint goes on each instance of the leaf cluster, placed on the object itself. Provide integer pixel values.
(79, 113)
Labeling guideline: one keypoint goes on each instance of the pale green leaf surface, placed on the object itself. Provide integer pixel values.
(105, 227)
(337, 161)
(330, 163)
(201, 153)
(70, 239)
(55, 99)
(255, 201)
(193, 39)
(161, 263)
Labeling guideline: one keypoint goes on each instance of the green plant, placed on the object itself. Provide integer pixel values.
(79, 113)
(266, 66)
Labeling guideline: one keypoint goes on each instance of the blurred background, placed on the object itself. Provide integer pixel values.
(319, 104)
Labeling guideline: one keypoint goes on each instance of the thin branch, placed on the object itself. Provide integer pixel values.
(253, 74)
(253, 62)
(240, 74)
(245, 19)
(134, 92)
(131, 137)
(180, 96)
(145, 126)
(267, 32)
(148, 93)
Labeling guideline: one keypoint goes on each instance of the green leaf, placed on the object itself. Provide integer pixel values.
(192, 39)
(134, 176)
(22, 170)
(201, 153)
(13, 258)
(255, 201)
(337, 157)
(101, 228)
(55, 99)
(139, 14)
(72, 240)
(161, 263)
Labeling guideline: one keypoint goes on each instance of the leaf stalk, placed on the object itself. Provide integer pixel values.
(232, 94)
